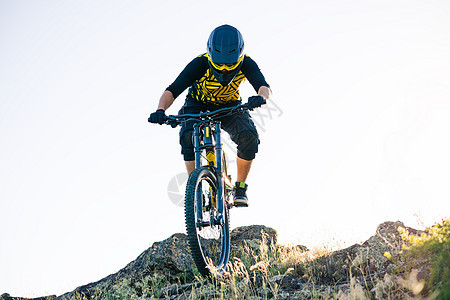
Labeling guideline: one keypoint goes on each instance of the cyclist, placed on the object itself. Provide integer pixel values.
(214, 79)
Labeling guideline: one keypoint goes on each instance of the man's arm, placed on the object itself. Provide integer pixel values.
(264, 92)
(193, 71)
(256, 78)
(166, 100)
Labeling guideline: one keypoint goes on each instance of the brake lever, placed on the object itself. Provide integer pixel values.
(173, 122)
(245, 106)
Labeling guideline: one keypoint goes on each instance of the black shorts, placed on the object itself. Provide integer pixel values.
(239, 126)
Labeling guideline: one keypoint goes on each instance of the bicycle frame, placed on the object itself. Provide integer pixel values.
(210, 130)
(207, 131)
(208, 189)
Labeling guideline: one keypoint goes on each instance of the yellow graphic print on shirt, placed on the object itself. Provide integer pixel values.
(210, 91)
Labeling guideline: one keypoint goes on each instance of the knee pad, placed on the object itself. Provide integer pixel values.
(247, 144)
(187, 146)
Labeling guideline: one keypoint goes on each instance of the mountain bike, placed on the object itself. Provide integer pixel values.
(209, 191)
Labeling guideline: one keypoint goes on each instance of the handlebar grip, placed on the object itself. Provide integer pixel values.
(158, 117)
(170, 120)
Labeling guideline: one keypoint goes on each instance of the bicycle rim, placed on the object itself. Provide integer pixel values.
(209, 243)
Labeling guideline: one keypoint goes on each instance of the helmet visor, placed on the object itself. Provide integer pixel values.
(227, 67)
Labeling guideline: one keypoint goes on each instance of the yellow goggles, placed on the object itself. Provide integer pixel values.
(228, 67)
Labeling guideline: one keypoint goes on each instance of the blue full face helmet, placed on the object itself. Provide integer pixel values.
(225, 51)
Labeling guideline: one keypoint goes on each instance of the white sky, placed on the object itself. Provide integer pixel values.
(363, 86)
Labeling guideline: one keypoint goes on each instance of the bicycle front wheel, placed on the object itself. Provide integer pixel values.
(208, 230)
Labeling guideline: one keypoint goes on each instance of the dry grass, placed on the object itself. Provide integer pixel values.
(421, 272)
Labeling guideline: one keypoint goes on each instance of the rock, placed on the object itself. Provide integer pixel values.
(171, 261)
(287, 283)
(253, 232)
(249, 238)
(170, 258)
(177, 289)
(363, 259)
(294, 250)
(6, 296)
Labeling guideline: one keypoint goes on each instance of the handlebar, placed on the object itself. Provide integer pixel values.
(175, 120)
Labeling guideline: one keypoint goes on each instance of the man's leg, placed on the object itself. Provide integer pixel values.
(243, 169)
(187, 149)
(190, 166)
(243, 132)
(186, 133)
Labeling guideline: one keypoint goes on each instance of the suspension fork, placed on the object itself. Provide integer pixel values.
(197, 149)
(220, 187)
(198, 152)
(218, 156)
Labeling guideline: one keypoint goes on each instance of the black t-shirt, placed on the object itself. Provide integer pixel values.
(204, 87)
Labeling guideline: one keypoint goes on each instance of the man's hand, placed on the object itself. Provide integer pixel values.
(256, 101)
(158, 117)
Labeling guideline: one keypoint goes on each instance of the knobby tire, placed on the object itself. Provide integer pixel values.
(203, 250)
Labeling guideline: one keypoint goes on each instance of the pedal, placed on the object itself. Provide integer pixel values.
(240, 204)
(201, 224)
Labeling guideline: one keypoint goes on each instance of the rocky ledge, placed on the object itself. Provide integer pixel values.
(170, 259)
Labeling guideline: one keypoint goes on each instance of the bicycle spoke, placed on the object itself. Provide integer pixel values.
(208, 234)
